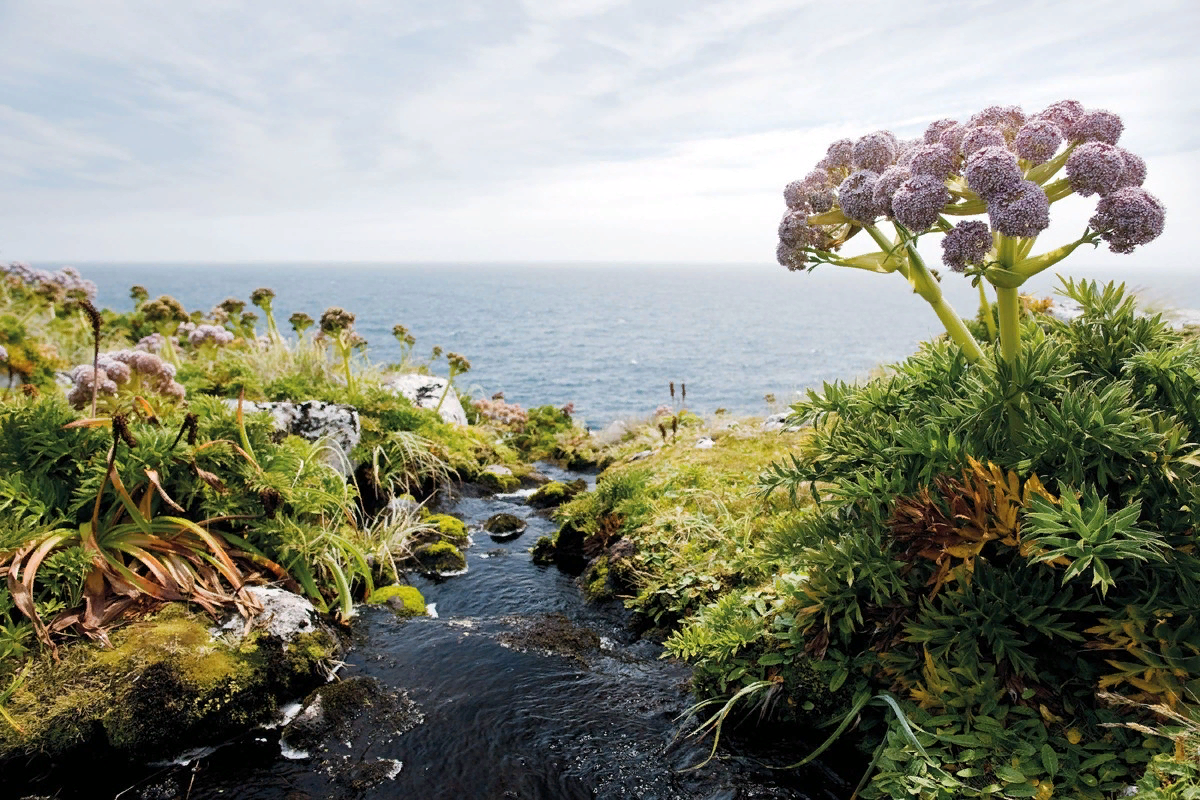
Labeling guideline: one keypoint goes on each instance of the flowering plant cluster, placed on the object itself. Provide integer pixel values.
(123, 374)
(497, 411)
(1001, 163)
(58, 286)
(205, 335)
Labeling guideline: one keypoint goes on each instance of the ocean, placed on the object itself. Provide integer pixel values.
(609, 338)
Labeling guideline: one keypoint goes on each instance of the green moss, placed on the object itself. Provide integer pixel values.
(498, 484)
(440, 557)
(595, 581)
(406, 600)
(543, 550)
(164, 685)
(556, 493)
(451, 529)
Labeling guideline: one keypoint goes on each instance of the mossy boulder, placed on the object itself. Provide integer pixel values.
(595, 579)
(543, 550)
(450, 529)
(498, 479)
(406, 601)
(503, 527)
(349, 715)
(440, 558)
(166, 684)
(555, 493)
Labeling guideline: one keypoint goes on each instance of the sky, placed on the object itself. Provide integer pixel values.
(530, 130)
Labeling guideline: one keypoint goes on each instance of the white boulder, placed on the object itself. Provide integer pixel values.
(312, 420)
(424, 391)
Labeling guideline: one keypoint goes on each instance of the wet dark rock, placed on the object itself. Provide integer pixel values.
(553, 633)
(503, 527)
(349, 709)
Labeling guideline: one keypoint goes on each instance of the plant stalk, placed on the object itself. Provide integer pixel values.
(985, 310)
(1008, 303)
(445, 391)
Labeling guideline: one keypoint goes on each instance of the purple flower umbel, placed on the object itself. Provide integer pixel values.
(966, 243)
(1023, 212)
(1129, 217)
(993, 172)
(856, 196)
(1095, 168)
(917, 203)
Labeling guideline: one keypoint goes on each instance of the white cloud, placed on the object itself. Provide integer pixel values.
(538, 129)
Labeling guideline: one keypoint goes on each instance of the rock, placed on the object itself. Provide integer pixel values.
(285, 615)
(440, 558)
(638, 456)
(403, 504)
(406, 601)
(1065, 310)
(503, 527)
(704, 443)
(450, 529)
(424, 391)
(776, 422)
(312, 420)
(555, 493)
(164, 686)
(1181, 318)
(341, 722)
(542, 551)
(498, 479)
(552, 633)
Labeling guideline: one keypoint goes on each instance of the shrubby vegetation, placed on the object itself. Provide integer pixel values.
(993, 609)
(148, 480)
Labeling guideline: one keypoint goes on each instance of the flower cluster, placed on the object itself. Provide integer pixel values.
(204, 334)
(335, 320)
(999, 162)
(61, 285)
(164, 310)
(133, 372)
(300, 322)
(458, 363)
(499, 412)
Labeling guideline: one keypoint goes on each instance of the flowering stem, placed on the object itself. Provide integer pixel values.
(925, 285)
(445, 391)
(343, 347)
(1008, 303)
(985, 310)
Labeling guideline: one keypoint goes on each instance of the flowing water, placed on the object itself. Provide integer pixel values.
(504, 718)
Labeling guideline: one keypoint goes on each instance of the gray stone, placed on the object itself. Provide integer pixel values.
(285, 615)
(704, 443)
(424, 391)
(497, 469)
(638, 456)
(313, 420)
(1181, 318)
(776, 422)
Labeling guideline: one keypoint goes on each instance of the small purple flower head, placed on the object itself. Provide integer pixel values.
(151, 344)
(933, 134)
(794, 230)
(1038, 141)
(953, 136)
(209, 334)
(838, 156)
(1023, 212)
(967, 243)
(933, 159)
(976, 139)
(1095, 168)
(993, 172)
(856, 196)
(918, 201)
(810, 192)
(1134, 173)
(887, 185)
(793, 258)
(1097, 126)
(875, 151)
(1008, 119)
(117, 371)
(1129, 217)
(1064, 113)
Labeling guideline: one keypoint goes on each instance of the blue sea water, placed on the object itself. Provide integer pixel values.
(609, 338)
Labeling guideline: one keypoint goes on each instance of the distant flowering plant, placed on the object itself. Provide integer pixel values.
(122, 375)
(1001, 164)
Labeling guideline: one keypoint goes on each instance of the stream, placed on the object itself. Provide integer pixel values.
(521, 690)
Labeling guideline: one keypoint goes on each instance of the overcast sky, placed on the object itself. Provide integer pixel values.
(598, 130)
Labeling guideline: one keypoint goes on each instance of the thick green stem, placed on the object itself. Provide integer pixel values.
(1008, 303)
(925, 285)
(344, 349)
(985, 310)
(445, 391)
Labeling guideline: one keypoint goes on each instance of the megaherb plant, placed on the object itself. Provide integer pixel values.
(1022, 603)
(1000, 163)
